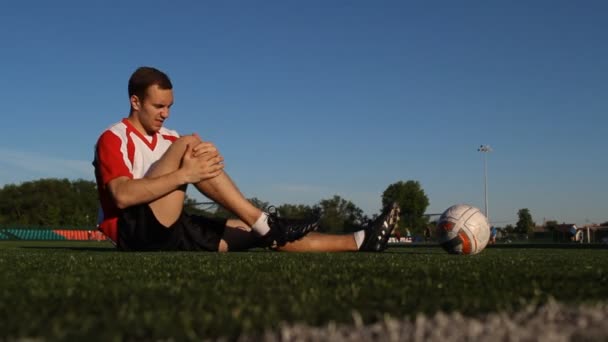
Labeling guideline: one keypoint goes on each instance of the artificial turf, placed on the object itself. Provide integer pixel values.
(76, 291)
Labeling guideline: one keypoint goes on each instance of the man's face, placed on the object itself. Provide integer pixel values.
(150, 113)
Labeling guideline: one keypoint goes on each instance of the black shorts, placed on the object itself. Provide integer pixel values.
(139, 230)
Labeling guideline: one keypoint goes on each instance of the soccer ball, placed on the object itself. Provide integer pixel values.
(463, 229)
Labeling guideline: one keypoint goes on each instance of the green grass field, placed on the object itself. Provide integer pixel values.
(88, 290)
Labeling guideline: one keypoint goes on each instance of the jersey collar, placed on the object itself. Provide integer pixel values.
(150, 143)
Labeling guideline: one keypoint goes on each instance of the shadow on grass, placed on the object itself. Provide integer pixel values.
(111, 248)
(549, 245)
(512, 245)
(97, 246)
(67, 248)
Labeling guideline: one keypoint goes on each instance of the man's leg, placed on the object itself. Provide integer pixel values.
(373, 239)
(168, 208)
(220, 189)
(223, 191)
(319, 242)
(239, 237)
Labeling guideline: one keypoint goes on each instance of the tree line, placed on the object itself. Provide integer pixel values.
(67, 203)
(63, 203)
(49, 202)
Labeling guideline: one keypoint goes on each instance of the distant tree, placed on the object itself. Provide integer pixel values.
(222, 212)
(525, 224)
(413, 202)
(193, 207)
(507, 232)
(258, 203)
(604, 224)
(85, 202)
(297, 211)
(551, 225)
(339, 215)
(49, 202)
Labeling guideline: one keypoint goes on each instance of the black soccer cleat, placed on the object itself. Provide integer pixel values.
(284, 230)
(378, 232)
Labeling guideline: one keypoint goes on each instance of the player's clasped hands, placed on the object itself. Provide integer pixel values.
(202, 161)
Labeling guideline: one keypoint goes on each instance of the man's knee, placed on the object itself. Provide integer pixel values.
(171, 160)
(185, 140)
(178, 147)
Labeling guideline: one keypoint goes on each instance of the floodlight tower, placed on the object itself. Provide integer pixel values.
(485, 149)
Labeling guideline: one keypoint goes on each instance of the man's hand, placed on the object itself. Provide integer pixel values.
(201, 162)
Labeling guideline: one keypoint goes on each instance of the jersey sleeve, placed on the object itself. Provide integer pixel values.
(111, 158)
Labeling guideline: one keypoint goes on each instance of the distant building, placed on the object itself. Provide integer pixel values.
(591, 233)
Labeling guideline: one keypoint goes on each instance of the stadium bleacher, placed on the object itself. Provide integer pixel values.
(34, 234)
(50, 234)
(80, 235)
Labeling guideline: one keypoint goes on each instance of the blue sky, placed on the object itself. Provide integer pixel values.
(307, 99)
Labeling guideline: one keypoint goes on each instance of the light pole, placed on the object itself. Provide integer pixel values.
(485, 149)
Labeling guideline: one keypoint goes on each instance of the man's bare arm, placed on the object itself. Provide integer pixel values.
(127, 192)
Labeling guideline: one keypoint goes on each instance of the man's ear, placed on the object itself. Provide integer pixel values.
(135, 103)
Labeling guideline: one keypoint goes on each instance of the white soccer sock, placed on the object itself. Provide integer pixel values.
(359, 237)
(261, 225)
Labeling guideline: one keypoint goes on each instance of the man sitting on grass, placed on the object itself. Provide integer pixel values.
(142, 171)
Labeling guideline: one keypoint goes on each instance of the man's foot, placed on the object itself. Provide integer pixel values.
(284, 230)
(378, 232)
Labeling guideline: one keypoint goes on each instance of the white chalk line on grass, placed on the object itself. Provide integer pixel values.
(551, 322)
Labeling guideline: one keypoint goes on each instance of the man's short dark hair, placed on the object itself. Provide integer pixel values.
(144, 77)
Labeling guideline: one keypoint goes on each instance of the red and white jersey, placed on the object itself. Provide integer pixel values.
(123, 151)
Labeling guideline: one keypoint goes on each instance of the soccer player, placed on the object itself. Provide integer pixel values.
(427, 234)
(142, 170)
(493, 232)
(572, 232)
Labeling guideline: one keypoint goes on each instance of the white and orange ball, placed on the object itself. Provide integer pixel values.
(463, 229)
